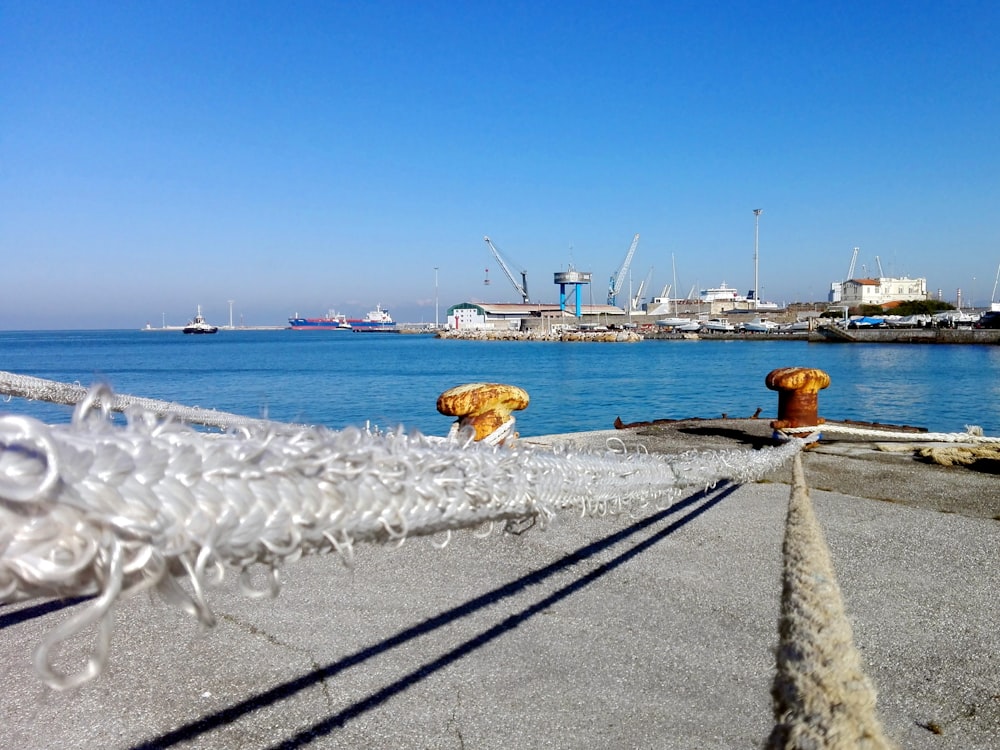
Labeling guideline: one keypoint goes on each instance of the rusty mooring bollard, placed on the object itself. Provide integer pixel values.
(798, 401)
(486, 407)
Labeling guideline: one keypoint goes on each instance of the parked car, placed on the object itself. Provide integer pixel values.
(989, 319)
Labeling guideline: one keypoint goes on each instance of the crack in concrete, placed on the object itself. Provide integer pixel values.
(453, 723)
(253, 630)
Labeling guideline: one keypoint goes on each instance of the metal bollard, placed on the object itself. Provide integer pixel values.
(798, 401)
(486, 407)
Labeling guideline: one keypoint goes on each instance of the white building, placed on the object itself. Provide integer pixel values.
(882, 290)
(508, 316)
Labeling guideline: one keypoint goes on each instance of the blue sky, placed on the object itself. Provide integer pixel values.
(296, 157)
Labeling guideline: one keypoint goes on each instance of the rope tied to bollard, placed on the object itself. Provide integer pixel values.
(96, 508)
(973, 434)
(822, 698)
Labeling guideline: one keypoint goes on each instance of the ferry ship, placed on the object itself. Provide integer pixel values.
(330, 322)
(377, 320)
(728, 294)
(721, 293)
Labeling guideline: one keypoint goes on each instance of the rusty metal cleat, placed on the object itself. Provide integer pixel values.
(486, 408)
(798, 401)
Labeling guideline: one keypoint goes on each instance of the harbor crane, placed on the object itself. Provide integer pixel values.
(643, 286)
(521, 288)
(617, 279)
(854, 260)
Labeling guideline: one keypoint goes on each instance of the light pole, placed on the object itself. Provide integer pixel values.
(230, 314)
(756, 235)
(435, 296)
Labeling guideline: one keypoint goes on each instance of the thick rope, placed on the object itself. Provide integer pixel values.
(94, 508)
(961, 455)
(972, 434)
(54, 392)
(89, 508)
(822, 698)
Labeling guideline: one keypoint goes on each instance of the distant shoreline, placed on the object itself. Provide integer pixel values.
(174, 329)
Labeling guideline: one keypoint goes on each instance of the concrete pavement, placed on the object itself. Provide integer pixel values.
(654, 631)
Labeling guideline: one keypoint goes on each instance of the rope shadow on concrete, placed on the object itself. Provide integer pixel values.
(693, 506)
(34, 611)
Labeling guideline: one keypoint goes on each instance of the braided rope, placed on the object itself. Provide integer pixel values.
(54, 392)
(972, 435)
(91, 507)
(822, 698)
(960, 455)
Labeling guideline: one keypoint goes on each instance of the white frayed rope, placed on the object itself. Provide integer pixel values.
(71, 394)
(95, 508)
(972, 434)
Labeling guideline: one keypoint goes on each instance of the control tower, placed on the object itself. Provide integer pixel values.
(571, 278)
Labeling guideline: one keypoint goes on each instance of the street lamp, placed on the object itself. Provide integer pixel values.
(756, 234)
(230, 314)
(435, 296)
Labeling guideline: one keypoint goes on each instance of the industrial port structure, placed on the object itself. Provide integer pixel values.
(526, 314)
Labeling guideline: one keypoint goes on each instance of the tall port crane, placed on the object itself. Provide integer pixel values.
(521, 288)
(854, 260)
(643, 286)
(617, 279)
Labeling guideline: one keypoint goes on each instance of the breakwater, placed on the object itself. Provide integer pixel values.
(660, 335)
(928, 335)
(609, 336)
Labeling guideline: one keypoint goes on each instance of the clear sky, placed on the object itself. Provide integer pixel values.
(300, 156)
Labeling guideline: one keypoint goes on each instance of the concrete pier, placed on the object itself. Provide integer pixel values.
(651, 630)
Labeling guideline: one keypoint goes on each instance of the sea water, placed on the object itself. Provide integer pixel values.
(337, 379)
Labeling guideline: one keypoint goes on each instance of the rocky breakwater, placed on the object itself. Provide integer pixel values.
(535, 335)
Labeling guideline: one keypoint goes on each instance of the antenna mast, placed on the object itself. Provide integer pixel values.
(756, 234)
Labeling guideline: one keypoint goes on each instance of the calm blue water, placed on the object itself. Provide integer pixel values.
(340, 379)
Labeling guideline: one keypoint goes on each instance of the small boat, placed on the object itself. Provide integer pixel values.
(908, 321)
(718, 325)
(378, 320)
(199, 325)
(864, 321)
(673, 322)
(332, 321)
(954, 319)
(799, 326)
(758, 325)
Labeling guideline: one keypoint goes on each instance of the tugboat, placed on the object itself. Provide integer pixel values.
(199, 325)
